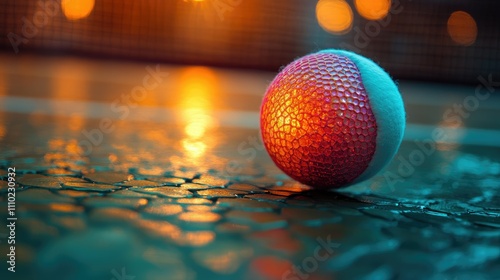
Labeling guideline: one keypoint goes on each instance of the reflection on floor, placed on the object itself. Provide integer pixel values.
(195, 196)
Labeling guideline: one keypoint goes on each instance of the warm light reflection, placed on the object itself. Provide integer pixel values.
(199, 208)
(225, 262)
(449, 150)
(197, 122)
(198, 87)
(161, 228)
(151, 171)
(56, 144)
(3, 130)
(165, 229)
(197, 238)
(193, 148)
(335, 16)
(77, 9)
(70, 82)
(462, 28)
(68, 208)
(61, 150)
(453, 133)
(116, 214)
(75, 123)
(73, 148)
(373, 9)
(199, 217)
(270, 267)
(193, 201)
(156, 135)
(165, 210)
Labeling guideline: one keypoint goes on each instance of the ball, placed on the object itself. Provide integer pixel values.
(332, 119)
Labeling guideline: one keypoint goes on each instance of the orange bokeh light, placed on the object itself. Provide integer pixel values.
(77, 9)
(373, 9)
(462, 28)
(334, 16)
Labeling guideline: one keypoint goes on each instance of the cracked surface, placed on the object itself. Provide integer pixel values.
(257, 224)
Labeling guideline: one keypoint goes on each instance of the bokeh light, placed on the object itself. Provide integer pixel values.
(334, 16)
(77, 9)
(462, 28)
(373, 9)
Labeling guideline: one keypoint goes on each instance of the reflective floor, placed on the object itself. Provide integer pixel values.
(145, 171)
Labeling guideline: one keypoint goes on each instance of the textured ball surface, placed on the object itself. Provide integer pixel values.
(318, 122)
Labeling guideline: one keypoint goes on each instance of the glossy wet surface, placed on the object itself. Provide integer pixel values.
(175, 191)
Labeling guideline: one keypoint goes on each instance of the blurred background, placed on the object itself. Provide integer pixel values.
(134, 130)
(445, 41)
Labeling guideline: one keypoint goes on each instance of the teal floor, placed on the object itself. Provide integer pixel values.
(190, 193)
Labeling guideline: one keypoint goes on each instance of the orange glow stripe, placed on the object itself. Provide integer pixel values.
(239, 119)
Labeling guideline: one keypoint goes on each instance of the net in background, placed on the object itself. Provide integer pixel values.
(413, 44)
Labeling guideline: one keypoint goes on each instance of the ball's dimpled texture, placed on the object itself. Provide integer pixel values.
(318, 122)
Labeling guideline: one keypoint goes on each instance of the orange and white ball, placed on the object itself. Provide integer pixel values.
(331, 119)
